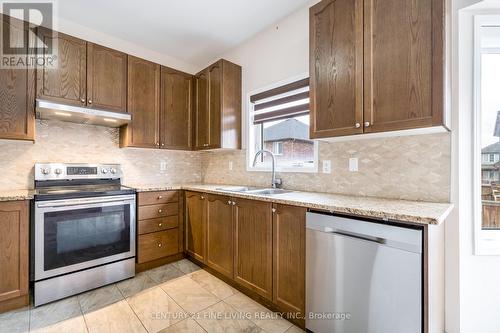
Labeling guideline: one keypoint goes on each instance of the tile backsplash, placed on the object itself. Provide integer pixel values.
(412, 168)
(75, 143)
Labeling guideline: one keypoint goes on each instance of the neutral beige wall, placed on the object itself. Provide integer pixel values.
(74, 143)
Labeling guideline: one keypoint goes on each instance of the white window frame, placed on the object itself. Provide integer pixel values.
(276, 145)
(251, 140)
(486, 242)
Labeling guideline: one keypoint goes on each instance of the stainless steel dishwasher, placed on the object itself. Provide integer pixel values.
(362, 277)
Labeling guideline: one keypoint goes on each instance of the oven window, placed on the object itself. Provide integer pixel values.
(80, 235)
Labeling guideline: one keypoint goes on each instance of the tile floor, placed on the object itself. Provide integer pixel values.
(178, 297)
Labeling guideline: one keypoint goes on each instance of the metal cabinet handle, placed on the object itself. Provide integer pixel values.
(234, 203)
(163, 145)
(229, 202)
(202, 198)
(274, 210)
(160, 211)
(159, 224)
(160, 197)
(90, 101)
(358, 125)
(367, 124)
(82, 100)
(159, 245)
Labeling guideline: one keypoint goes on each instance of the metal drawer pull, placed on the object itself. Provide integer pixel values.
(160, 211)
(159, 244)
(229, 202)
(159, 224)
(202, 198)
(160, 197)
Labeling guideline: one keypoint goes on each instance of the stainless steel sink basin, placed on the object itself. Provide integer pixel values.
(254, 190)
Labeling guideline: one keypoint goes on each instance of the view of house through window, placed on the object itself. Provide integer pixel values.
(279, 122)
(489, 126)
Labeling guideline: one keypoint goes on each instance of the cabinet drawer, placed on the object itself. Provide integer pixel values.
(159, 224)
(157, 245)
(156, 211)
(155, 198)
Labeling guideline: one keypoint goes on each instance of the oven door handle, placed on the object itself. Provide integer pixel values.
(79, 202)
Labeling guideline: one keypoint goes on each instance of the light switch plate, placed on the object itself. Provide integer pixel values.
(230, 165)
(353, 164)
(327, 166)
(163, 166)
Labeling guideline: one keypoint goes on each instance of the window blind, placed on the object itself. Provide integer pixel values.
(287, 101)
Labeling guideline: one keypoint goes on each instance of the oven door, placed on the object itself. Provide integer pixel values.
(76, 234)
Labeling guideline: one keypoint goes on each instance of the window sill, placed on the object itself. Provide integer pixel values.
(284, 170)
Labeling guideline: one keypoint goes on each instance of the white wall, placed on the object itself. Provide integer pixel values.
(476, 306)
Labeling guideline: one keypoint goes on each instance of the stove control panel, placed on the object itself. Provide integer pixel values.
(61, 171)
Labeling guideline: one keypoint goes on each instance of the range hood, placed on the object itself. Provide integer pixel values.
(75, 114)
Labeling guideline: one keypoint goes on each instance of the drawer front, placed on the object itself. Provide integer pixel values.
(156, 211)
(155, 198)
(159, 224)
(157, 245)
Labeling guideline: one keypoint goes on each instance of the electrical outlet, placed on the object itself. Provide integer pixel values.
(163, 166)
(354, 164)
(230, 165)
(327, 166)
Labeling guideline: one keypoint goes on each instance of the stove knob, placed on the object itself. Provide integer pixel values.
(112, 170)
(104, 171)
(58, 171)
(45, 171)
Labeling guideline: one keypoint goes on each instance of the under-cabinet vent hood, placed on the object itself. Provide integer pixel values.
(81, 115)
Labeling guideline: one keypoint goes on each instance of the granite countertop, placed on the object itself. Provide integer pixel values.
(15, 195)
(395, 210)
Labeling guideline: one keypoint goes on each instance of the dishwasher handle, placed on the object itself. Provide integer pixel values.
(386, 235)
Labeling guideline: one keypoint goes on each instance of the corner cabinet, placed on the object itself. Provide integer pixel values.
(217, 113)
(375, 72)
(17, 89)
(14, 255)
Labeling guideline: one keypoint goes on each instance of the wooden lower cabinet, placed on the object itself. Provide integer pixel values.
(195, 225)
(14, 254)
(220, 234)
(289, 254)
(159, 228)
(253, 253)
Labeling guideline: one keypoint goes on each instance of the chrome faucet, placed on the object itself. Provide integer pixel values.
(275, 182)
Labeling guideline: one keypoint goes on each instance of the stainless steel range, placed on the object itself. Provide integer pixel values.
(83, 229)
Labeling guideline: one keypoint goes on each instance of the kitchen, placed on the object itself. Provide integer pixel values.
(165, 176)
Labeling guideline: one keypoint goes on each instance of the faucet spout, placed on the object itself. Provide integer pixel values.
(274, 182)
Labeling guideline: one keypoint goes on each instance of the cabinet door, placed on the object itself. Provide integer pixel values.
(66, 81)
(403, 64)
(289, 230)
(195, 225)
(220, 234)
(214, 105)
(176, 98)
(106, 78)
(17, 114)
(13, 249)
(143, 102)
(336, 68)
(254, 246)
(201, 114)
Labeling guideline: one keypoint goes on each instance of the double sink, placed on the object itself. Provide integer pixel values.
(254, 190)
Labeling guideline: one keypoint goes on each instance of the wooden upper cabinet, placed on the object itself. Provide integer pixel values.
(17, 114)
(106, 78)
(14, 246)
(218, 107)
(176, 109)
(289, 253)
(253, 263)
(220, 234)
(195, 225)
(201, 112)
(66, 81)
(215, 105)
(143, 103)
(336, 68)
(404, 64)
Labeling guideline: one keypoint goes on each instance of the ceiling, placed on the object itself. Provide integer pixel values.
(194, 31)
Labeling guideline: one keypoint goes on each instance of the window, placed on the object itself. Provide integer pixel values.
(278, 148)
(487, 135)
(279, 122)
